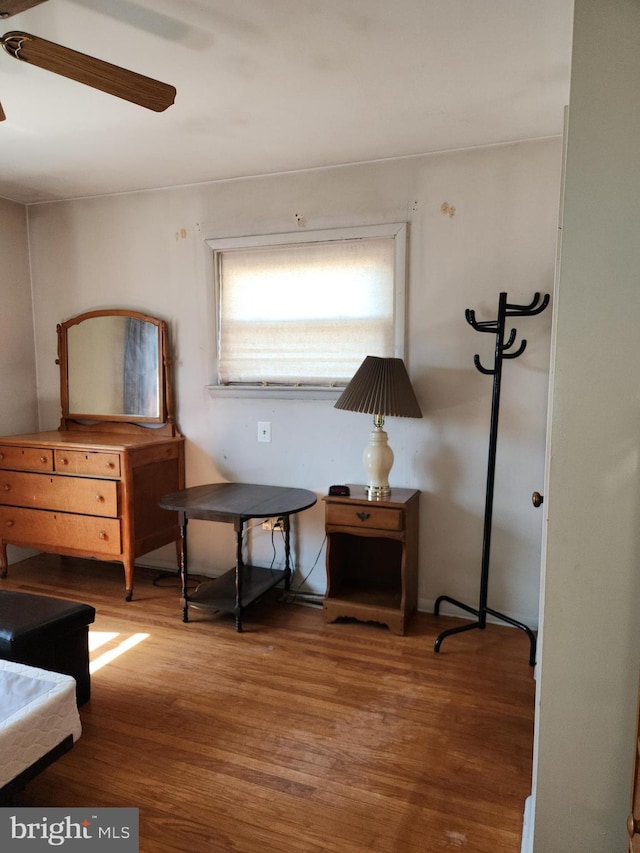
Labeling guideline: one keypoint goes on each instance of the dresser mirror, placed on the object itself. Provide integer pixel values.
(114, 368)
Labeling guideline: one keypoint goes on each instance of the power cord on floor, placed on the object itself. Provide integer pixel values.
(296, 596)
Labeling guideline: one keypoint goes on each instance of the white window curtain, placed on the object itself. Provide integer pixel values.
(304, 314)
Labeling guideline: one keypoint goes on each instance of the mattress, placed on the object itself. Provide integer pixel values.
(37, 712)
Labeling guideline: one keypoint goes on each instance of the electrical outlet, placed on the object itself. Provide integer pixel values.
(264, 431)
(275, 523)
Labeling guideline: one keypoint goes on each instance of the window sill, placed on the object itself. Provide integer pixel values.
(276, 392)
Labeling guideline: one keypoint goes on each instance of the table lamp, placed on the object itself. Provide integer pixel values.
(381, 387)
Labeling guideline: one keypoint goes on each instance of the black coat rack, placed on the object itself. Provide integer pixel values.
(502, 351)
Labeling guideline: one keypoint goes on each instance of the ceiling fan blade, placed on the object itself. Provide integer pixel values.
(112, 79)
(13, 7)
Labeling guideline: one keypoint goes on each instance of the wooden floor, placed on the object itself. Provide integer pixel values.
(294, 736)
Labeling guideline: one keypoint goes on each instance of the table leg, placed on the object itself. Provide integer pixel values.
(4, 563)
(129, 565)
(287, 553)
(184, 570)
(238, 526)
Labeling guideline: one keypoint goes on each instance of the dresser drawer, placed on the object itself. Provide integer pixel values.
(26, 458)
(66, 530)
(88, 464)
(67, 494)
(365, 516)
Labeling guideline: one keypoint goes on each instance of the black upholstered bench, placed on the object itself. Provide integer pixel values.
(49, 633)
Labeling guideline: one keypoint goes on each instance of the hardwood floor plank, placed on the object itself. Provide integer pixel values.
(294, 735)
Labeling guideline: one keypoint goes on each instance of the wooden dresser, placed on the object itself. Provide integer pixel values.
(92, 488)
(89, 494)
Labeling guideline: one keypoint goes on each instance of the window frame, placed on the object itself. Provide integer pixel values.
(395, 230)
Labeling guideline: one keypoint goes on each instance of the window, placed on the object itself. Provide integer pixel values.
(304, 309)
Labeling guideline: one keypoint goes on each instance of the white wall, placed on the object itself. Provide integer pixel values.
(146, 251)
(590, 637)
(18, 412)
(18, 392)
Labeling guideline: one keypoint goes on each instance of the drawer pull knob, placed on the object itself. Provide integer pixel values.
(110, 465)
(363, 516)
(1, 455)
(103, 535)
(64, 461)
(7, 487)
(99, 498)
(10, 523)
(43, 459)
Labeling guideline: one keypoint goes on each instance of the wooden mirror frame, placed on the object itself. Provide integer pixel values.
(164, 424)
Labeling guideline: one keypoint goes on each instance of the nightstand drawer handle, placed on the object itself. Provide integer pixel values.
(363, 516)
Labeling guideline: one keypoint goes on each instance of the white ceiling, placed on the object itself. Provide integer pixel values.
(269, 86)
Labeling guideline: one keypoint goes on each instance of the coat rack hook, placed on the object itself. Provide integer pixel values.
(476, 361)
(479, 326)
(528, 310)
(519, 351)
(509, 343)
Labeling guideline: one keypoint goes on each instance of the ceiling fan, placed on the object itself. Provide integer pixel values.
(112, 79)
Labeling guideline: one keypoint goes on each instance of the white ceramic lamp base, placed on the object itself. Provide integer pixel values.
(378, 460)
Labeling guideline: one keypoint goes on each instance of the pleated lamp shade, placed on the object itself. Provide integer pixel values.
(380, 387)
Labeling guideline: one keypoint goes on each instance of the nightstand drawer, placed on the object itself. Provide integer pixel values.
(92, 464)
(26, 458)
(67, 494)
(365, 516)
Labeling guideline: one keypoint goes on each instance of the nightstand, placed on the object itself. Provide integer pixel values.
(372, 557)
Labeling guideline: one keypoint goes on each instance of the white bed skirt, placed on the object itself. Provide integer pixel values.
(37, 712)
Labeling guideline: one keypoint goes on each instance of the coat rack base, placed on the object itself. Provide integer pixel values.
(481, 624)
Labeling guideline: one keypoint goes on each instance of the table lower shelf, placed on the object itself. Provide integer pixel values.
(220, 593)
